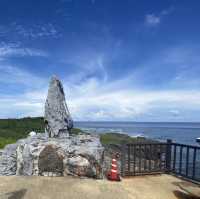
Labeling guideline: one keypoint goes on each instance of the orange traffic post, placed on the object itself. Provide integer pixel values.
(113, 174)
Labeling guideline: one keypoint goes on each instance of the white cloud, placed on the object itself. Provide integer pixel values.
(30, 31)
(152, 20)
(88, 65)
(37, 30)
(129, 104)
(19, 106)
(18, 77)
(91, 101)
(13, 49)
(29, 100)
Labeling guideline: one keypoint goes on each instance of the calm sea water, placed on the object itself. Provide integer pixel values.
(179, 132)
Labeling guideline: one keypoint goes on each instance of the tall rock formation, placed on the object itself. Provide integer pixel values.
(57, 117)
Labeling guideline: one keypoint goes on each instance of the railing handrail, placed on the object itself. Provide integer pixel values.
(147, 143)
(186, 145)
(163, 143)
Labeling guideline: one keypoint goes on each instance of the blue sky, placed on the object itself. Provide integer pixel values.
(123, 60)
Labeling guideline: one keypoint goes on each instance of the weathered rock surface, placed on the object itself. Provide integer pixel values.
(57, 117)
(79, 155)
(8, 160)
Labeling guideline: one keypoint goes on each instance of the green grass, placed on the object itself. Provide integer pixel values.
(116, 138)
(13, 129)
(5, 141)
(76, 131)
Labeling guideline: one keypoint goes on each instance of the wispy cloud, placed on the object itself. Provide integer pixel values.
(152, 19)
(30, 96)
(20, 106)
(97, 100)
(14, 49)
(30, 31)
(89, 64)
(91, 101)
(19, 77)
(37, 30)
(94, 99)
(155, 19)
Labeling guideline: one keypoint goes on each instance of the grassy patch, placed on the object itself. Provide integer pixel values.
(13, 129)
(116, 138)
(19, 128)
(76, 131)
(5, 141)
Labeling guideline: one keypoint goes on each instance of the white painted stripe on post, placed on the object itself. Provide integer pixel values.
(114, 165)
(114, 171)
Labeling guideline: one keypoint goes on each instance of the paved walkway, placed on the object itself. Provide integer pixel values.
(144, 187)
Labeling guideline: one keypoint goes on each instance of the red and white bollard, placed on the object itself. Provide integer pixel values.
(113, 174)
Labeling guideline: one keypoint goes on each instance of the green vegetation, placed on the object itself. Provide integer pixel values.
(13, 129)
(117, 138)
(5, 141)
(76, 131)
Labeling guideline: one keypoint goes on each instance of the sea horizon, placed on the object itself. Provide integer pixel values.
(181, 132)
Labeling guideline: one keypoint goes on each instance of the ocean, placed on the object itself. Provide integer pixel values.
(185, 133)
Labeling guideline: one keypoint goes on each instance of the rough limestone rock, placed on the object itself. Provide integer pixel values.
(57, 117)
(79, 155)
(8, 160)
(79, 165)
(32, 133)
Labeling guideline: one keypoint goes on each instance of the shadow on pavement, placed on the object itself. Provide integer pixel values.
(182, 195)
(19, 194)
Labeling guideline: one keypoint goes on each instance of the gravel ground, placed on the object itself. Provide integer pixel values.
(143, 187)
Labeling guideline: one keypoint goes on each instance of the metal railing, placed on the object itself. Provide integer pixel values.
(161, 157)
(185, 161)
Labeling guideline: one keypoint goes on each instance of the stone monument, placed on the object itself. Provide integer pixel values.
(56, 152)
(57, 117)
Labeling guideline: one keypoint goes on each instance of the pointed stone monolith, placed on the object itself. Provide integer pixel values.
(57, 117)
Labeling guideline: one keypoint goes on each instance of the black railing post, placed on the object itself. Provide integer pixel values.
(123, 159)
(168, 155)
